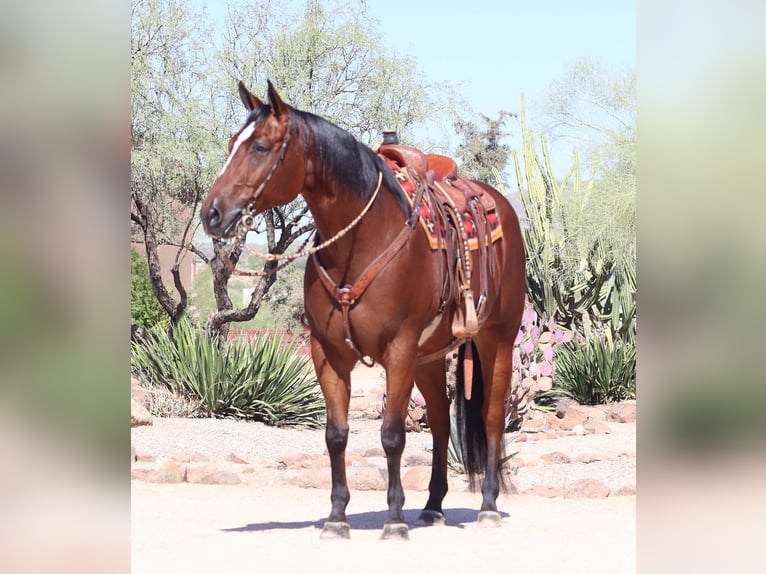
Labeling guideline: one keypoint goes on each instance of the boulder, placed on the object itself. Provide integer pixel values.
(587, 488)
(139, 416)
(417, 478)
(168, 473)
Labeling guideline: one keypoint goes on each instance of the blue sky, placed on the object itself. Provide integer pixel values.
(498, 49)
(501, 49)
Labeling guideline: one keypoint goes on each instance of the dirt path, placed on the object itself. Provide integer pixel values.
(192, 528)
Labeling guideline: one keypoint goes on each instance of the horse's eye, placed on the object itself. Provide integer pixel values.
(260, 148)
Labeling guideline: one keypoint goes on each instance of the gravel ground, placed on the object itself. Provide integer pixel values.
(613, 455)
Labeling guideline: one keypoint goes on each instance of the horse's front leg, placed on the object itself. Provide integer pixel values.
(400, 375)
(335, 383)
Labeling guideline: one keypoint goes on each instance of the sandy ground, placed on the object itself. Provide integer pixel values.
(196, 528)
(193, 528)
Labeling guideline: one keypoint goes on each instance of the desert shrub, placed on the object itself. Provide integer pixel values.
(264, 380)
(597, 369)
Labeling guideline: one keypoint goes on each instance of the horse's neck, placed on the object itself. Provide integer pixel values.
(357, 228)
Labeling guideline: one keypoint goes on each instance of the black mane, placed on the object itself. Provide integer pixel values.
(346, 159)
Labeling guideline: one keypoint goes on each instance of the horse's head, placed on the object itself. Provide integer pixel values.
(262, 169)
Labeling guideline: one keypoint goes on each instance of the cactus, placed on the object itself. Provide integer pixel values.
(533, 361)
(568, 273)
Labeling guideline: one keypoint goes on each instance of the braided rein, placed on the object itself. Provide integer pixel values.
(247, 223)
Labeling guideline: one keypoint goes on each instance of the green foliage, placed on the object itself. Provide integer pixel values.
(145, 310)
(573, 267)
(328, 57)
(481, 150)
(264, 381)
(597, 369)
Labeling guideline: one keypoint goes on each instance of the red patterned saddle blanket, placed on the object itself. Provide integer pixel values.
(452, 191)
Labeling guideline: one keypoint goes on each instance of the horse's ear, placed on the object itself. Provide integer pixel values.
(278, 107)
(250, 101)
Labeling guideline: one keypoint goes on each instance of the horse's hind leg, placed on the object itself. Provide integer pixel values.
(497, 364)
(336, 388)
(431, 379)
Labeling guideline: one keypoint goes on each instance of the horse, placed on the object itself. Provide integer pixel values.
(374, 290)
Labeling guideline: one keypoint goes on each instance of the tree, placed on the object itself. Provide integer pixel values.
(596, 108)
(170, 144)
(326, 58)
(481, 150)
(145, 309)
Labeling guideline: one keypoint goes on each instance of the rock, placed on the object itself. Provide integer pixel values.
(140, 473)
(587, 458)
(366, 478)
(597, 427)
(168, 473)
(199, 457)
(572, 417)
(417, 478)
(556, 458)
(356, 461)
(138, 393)
(587, 488)
(313, 478)
(195, 474)
(133, 455)
(628, 490)
(533, 425)
(545, 490)
(417, 459)
(144, 457)
(221, 477)
(579, 430)
(564, 405)
(139, 416)
(231, 457)
(299, 460)
(375, 452)
(624, 412)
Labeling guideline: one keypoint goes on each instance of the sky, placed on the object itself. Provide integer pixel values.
(498, 49)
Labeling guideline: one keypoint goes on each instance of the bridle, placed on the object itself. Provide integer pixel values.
(247, 221)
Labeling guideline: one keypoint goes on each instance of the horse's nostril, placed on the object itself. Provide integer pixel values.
(213, 216)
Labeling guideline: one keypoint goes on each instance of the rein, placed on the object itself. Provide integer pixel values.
(248, 220)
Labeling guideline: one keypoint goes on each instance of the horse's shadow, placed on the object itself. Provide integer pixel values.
(456, 518)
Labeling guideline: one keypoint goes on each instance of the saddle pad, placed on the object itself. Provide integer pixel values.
(426, 218)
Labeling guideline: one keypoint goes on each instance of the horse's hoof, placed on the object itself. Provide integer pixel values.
(395, 531)
(335, 530)
(431, 518)
(489, 519)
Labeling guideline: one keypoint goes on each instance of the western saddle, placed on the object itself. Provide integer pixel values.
(462, 219)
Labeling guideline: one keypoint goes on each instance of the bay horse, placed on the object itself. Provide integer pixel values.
(390, 307)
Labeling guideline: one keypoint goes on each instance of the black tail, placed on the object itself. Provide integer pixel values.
(471, 434)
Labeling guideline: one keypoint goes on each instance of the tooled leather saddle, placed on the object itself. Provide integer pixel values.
(458, 219)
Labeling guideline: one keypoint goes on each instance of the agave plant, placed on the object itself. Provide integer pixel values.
(264, 380)
(599, 369)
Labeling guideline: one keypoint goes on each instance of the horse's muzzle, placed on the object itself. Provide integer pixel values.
(219, 222)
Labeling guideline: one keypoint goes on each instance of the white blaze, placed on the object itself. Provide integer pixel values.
(243, 136)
